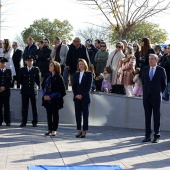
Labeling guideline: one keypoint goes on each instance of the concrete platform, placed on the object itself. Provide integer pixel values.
(105, 110)
(20, 147)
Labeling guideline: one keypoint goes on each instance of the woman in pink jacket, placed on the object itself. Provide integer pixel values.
(127, 65)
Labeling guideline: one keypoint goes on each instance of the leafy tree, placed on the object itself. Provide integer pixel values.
(123, 17)
(144, 29)
(44, 28)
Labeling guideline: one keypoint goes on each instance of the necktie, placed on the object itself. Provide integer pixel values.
(151, 74)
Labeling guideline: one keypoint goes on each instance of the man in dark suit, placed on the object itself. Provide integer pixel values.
(75, 52)
(29, 50)
(29, 78)
(5, 83)
(17, 62)
(154, 82)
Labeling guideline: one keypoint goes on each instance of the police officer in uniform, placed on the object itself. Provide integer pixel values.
(5, 84)
(29, 79)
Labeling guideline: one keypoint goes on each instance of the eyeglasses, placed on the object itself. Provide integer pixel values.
(45, 42)
(134, 46)
(13, 45)
(102, 46)
(118, 46)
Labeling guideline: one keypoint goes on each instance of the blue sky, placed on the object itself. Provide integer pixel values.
(21, 13)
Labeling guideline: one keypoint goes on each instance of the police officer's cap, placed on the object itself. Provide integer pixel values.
(3, 60)
(30, 57)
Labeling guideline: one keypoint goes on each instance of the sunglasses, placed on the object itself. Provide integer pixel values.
(134, 46)
(102, 46)
(118, 46)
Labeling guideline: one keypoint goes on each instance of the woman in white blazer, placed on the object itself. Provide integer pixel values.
(8, 53)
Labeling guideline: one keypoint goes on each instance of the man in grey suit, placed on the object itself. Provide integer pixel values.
(154, 82)
(59, 52)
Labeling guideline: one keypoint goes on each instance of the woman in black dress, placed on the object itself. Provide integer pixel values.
(53, 91)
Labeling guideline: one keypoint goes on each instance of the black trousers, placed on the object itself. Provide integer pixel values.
(152, 107)
(25, 105)
(81, 108)
(52, 117)
(4, 103)
(15, 78)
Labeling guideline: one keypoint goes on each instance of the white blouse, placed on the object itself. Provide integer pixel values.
(10, 65)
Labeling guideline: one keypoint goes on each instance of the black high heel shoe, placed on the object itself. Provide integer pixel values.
(83, 136)
(79, 135)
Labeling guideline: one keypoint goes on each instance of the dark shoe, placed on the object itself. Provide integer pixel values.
(34, 125)
(156, 140)
(0, 124)
(83, 136)
(22, 125)
(146, 139)
(78, 135)
(48, 133)
(8, 124)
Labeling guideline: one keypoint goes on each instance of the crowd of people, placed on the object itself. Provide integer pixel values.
(52, 67)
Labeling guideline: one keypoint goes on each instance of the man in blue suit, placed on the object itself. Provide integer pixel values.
(154, 82)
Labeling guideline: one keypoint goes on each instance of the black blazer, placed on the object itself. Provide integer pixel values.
(6, 80)
(156, 86)
(17, 60)
(31, 51)
(29, 80)
(73, 55)
(57, 86)
(83, 88)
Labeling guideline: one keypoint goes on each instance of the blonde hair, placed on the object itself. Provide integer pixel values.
(85, 64)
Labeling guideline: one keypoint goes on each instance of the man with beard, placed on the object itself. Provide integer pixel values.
(40, 45)
(43, 58)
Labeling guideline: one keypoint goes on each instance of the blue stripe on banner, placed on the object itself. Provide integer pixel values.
(94, 167)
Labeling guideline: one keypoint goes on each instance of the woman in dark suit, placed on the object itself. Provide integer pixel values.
(53, 91)
(81, 89)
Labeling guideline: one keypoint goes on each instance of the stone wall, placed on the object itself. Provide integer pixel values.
(105, 110)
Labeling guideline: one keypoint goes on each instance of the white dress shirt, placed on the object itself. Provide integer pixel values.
(80, 77)
(3, 70)
(29, 68)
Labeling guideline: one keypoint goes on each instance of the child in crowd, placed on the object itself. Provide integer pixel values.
(106, 83)
(93, 86)
(137, 89)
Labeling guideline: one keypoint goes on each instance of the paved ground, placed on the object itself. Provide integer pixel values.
(20, 147)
